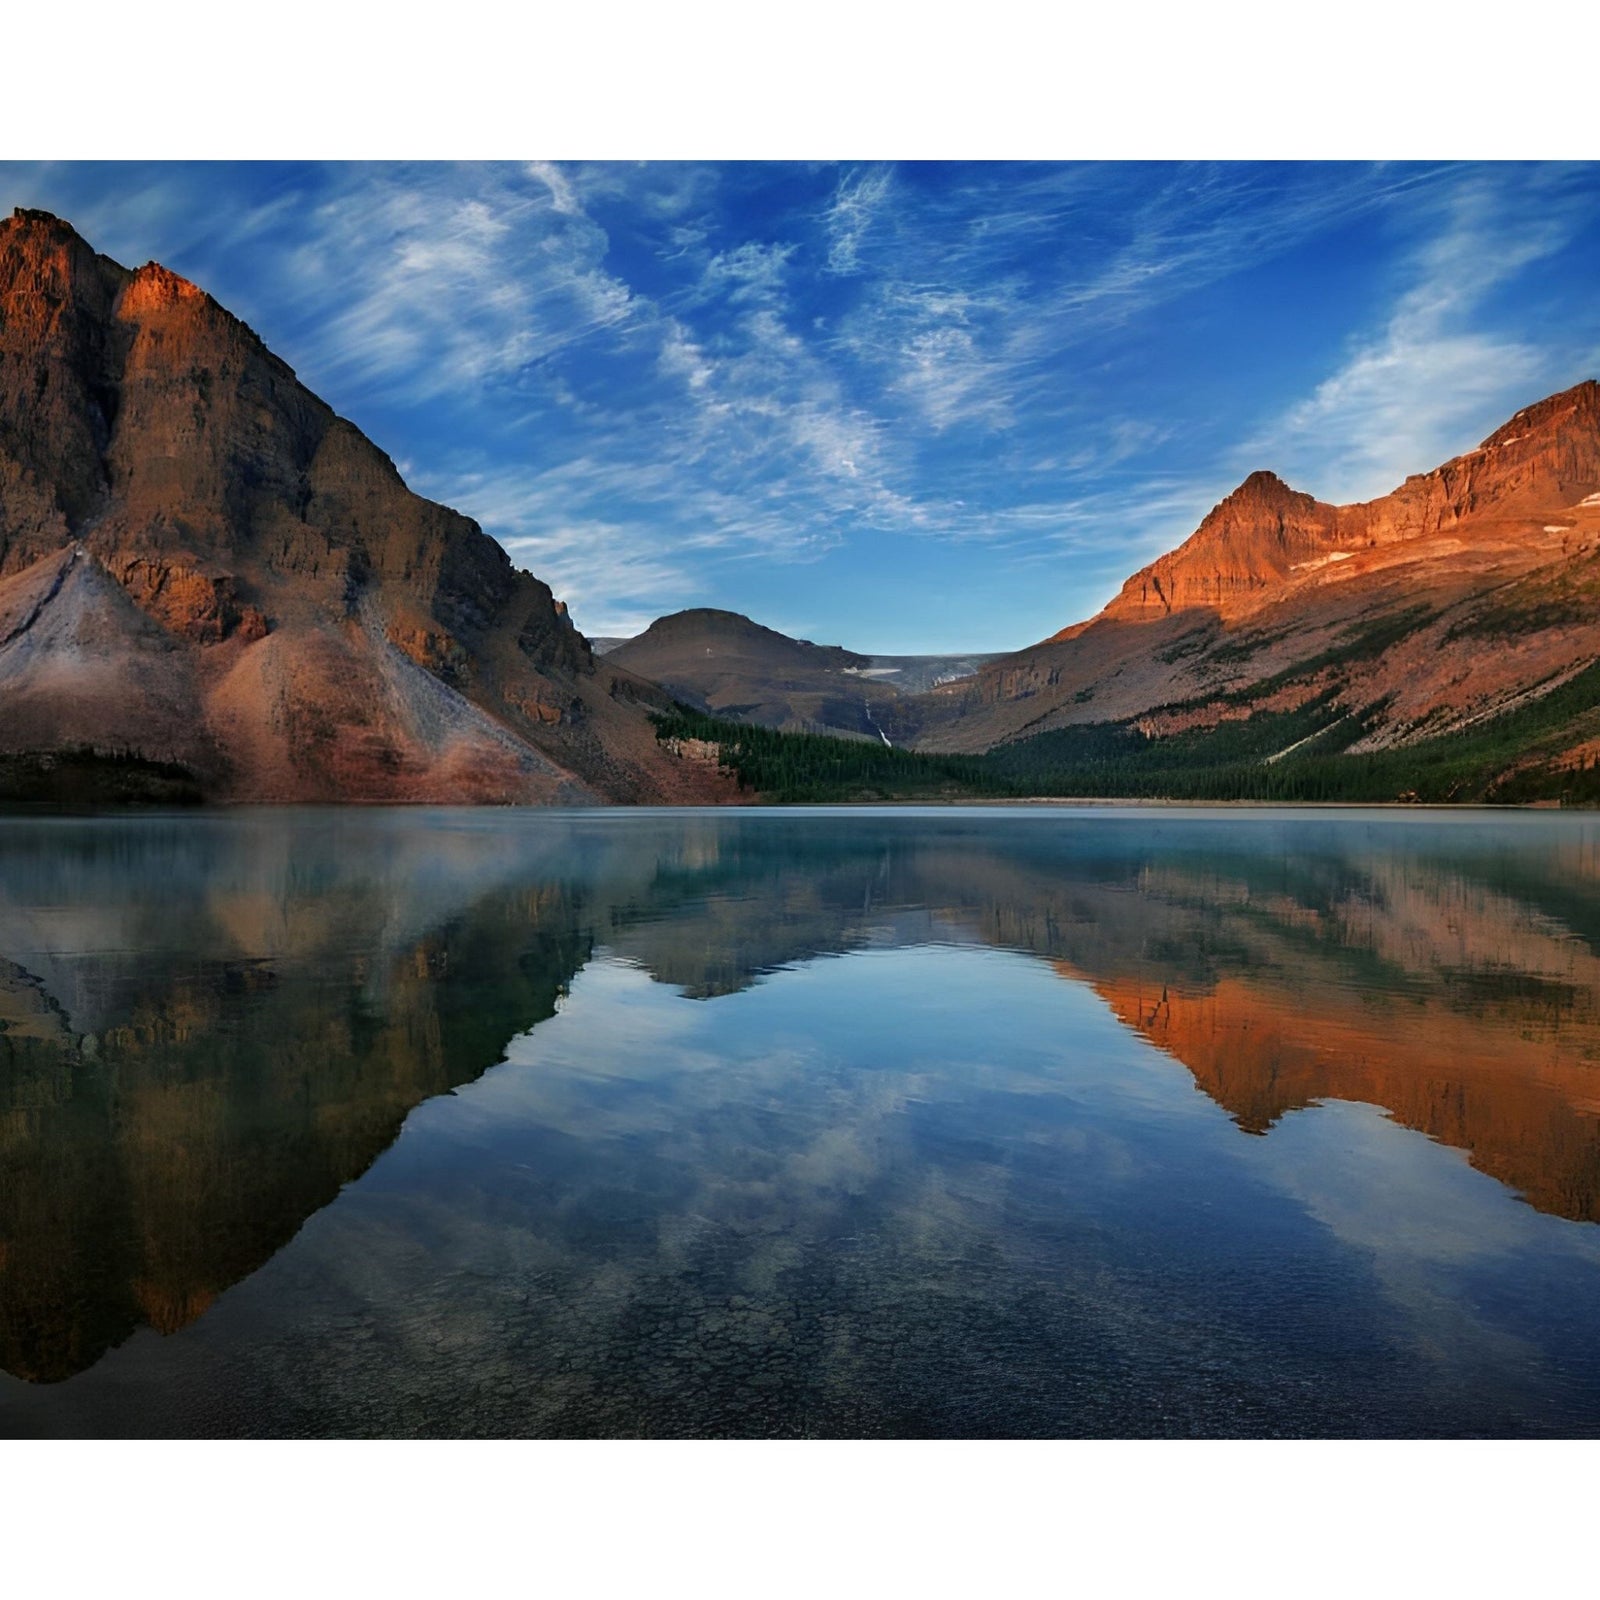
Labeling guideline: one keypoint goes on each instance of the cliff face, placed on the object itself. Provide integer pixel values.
(1256, 537)
(1264, 532)
(200, 563)
(1465, 590)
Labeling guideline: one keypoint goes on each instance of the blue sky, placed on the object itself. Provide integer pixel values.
(900, 407)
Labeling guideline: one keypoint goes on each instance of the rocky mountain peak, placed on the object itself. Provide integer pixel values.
(1263, 485)
(707, 626)
(1249, 539)
(153, 286)
(41, 251)
(314, 629)
(1577, 409)
(1259, 503)
(45, 224)
(1546, 457)
(703, 619)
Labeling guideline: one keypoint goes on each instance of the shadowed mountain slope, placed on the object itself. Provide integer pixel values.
(204, 570)
(722, 662)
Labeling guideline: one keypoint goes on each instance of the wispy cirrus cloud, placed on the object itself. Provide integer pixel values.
(681, 358)
(752, 273)
(762, 401)
(1438, 374)
(1155, 515)
(772, 452)
(813, 390)
(856, 207)
(613, 576)
(616, 574)
(937, 348)
(461, 284)
(621, 542)
(1181, 229)
(562, 196)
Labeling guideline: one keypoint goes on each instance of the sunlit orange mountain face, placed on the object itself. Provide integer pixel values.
(206, 1032)
(1469, 591)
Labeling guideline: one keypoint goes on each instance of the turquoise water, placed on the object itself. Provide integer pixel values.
(840, 1123)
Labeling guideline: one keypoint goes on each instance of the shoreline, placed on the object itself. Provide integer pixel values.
(10, 809)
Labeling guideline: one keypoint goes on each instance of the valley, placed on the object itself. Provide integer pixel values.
(214, 589)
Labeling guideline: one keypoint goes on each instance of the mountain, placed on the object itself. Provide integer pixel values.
(904, 674)
(1445, 637)
(1467, 595)
(211, 586)
(722, 662)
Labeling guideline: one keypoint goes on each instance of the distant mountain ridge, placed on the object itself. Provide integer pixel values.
(1469, 590)
(724, 663)
(1284, 624)
(210, 581)
(721, 661)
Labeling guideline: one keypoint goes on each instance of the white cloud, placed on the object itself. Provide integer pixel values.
(1429, 383)
(562, 196)
(936, 346)
(857, 203)
(473, 279)
(753, 272)
(462, 283)
(615, 576)
(1401, 405)
(681, 357)
(618, 569)
(768, 415)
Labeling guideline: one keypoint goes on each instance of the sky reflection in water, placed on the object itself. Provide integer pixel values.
(850, 1123)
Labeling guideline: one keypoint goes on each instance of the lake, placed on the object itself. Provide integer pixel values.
(1003, 1122)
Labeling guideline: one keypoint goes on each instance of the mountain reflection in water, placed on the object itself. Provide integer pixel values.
(209, 1026)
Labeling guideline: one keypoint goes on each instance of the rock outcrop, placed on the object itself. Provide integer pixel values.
(200, 563)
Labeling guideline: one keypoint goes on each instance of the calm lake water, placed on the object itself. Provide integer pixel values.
(907, 1122)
